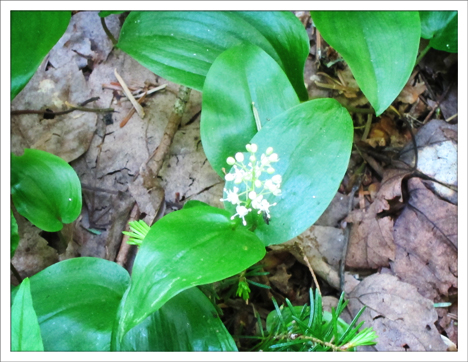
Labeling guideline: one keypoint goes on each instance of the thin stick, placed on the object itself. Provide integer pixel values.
(122, 255)
(16, 274)
(306, 259)
(156, 160)
(73, 108)
(129, 95)
(132, 112)
(257, 117)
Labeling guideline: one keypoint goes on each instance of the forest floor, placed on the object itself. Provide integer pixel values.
(396, 213)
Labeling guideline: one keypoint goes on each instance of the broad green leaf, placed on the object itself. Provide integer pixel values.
(189, 247)
(76, 302)
(103, 14)
(188, 322)
(33, 34)
(181, 46)
(14, 237)
(313, 141)
(239, 76)
(25, 332)
(441, 27)
(45, 189)
(379, 47)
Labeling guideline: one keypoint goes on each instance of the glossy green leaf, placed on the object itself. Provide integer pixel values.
(441, 27)
(181, 46)
(25, 332)
(103, 14)
(45, 189)
(313, 141)
(372, 44)
(238, 77)
(14, 236)
(76, 302)
(189, 247)
(188, 322)
(33, 34)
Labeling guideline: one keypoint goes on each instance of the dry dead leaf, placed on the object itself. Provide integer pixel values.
(371, 238)
(410, 93)
(427, 243)
(402, 319)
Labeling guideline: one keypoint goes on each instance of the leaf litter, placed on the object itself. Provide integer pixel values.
(402, 254)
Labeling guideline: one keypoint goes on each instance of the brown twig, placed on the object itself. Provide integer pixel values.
(129, 95)
(347, 234)
(132, 112)
(16, 274)
(441, 98)
(125, 247)
(71, 109)
(151, 168)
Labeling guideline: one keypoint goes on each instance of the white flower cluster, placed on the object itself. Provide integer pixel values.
(256, 190)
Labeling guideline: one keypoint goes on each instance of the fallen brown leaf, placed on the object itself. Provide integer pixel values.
(371, 238)
(427, 243)
(402, 319)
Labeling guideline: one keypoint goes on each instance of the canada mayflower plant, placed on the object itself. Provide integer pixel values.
(253, 198)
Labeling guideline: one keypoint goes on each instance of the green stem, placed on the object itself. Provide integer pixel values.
(423, 53)
(107, 31)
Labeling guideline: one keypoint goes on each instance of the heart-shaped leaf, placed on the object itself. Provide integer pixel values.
(188, 322)
(25, 331)
(33, 34)
(76, 302)
(379, 47)
(238, 77)
(181, 46)
(441, 27)
(313, 141)
(189, 247)
(45, 189)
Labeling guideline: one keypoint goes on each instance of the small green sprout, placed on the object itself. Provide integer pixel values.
(138, 232)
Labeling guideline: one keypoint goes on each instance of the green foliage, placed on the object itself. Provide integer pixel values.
(174, 257)
(33, 34)
(239, 76)
(371, 43)
(187, 322)
(313, 141)
(76, 301)
(304, 328)
(104, 14)
(45, 189)
(14, 237)
(441, 27)
(25, 332)
(181, 46)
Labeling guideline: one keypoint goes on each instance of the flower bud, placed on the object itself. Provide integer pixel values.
(239, 156)
(273, 157)
(270, 170)
(258, 184)
(252, 195)
(231, 161)
(248, 147)
(277, 179)
(252, 158)
(253, 148)
(269, 151)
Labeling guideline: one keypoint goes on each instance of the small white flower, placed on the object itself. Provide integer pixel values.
(241, 211)
(231, 161)
(239, 157)
(265, 206)
(252, 158)
(232, 196)
(229, 177)
(253, 148)
(256, 203)
(258, 183)
(252, 195)
(273, 157)
(277, 179)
